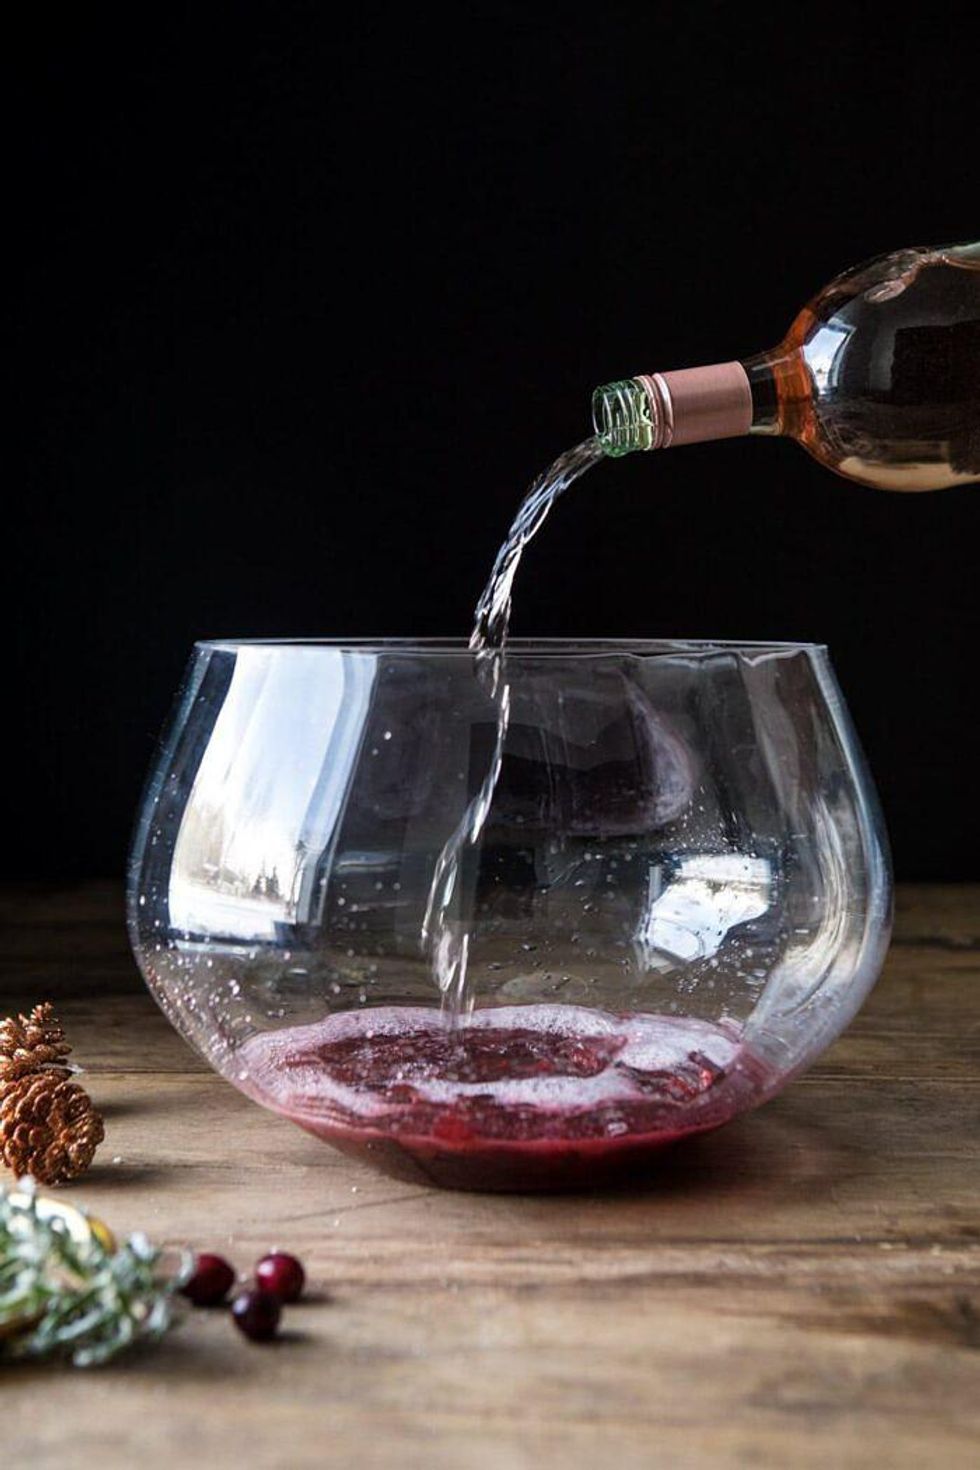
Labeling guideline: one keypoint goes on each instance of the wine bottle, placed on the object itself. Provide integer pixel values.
(878, 377)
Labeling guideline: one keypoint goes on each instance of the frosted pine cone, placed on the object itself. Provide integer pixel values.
(48, 1128)
(32, 1045)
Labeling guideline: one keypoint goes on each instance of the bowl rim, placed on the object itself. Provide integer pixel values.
(555, 647)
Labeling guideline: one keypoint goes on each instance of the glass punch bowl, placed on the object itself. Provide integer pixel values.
(520, 956)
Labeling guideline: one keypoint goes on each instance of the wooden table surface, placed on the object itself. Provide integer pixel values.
(801, 1288)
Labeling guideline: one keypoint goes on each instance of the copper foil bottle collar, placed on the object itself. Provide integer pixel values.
(697, 404)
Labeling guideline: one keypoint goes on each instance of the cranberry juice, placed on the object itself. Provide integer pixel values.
(533, 1097)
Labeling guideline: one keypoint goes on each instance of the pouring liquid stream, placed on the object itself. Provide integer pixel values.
(445, 930)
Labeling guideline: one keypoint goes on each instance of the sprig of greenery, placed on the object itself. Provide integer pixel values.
(77, 1297)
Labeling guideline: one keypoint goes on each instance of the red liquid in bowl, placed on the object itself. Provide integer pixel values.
(534, 1097)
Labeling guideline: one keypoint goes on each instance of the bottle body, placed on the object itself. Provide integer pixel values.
(878, 378)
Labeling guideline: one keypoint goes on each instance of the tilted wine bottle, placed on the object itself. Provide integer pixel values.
(878, 378)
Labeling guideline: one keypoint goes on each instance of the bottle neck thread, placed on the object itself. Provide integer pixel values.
(621, 415)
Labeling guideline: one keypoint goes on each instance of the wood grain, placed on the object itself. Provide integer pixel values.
(799, 1289)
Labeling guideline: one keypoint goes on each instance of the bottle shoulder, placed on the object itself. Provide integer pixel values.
(885, 383)
(909, 290)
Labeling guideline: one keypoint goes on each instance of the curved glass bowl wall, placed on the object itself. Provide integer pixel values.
(679, 898)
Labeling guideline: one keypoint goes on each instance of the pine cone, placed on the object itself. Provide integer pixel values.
(32, 1045)
(48, 1128)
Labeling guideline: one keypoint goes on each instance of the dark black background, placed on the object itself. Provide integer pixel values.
(304, 301)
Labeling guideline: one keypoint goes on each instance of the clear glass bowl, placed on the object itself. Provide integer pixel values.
(680, 895)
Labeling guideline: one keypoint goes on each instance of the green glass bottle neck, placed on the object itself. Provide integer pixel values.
(622, 415)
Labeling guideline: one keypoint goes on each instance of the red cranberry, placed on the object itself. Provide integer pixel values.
(256, 1313)
(211, 1282)
(280, 1275)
